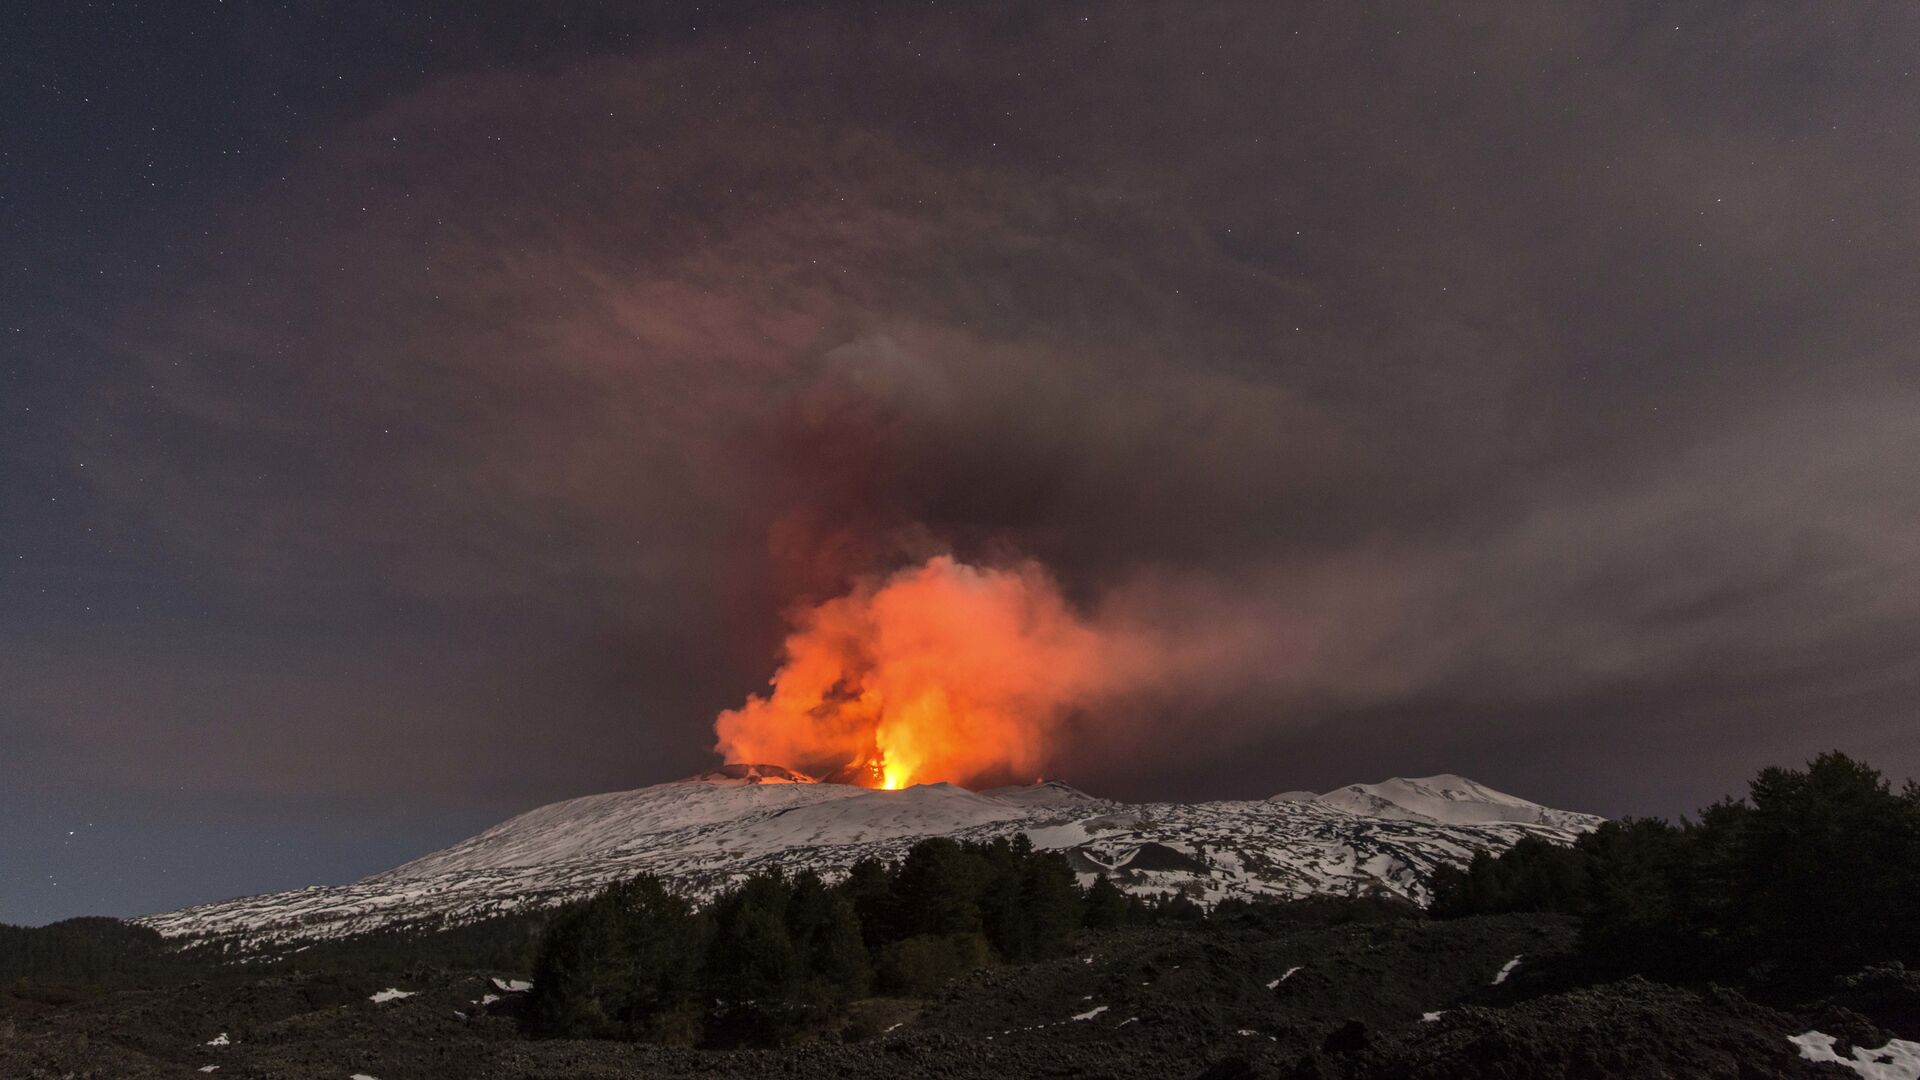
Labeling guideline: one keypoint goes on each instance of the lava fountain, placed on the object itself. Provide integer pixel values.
(941, 671)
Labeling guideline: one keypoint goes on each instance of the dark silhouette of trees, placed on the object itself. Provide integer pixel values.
(84, 955)
(938, 890)
(1815, 873)
(1052, 905)
(625, 964)
(1106, 905)
(1533, 875)
(776, 950)
(752, 955)
(825, 932)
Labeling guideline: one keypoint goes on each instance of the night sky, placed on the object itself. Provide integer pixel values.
(407, 418)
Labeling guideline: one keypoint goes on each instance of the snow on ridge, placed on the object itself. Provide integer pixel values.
(1446, 798)
(872, 815)
(599, 824)
(1040, 793)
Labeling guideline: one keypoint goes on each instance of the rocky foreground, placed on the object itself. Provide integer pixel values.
(1358, 993)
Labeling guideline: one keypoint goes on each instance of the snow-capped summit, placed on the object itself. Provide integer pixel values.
(705, 832)
(1449, 800)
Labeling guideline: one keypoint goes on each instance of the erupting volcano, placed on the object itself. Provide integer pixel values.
(942, 671)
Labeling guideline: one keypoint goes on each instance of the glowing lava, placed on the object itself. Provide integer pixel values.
(943, 671)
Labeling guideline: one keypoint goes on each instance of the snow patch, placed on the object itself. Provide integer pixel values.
(511, 986)
(1091, 1013)
(1284, 976)
(220, 1040)
(1430, 1017)
(1898, 1060)
(1055, 837)
(390, 994)
(1506, 970)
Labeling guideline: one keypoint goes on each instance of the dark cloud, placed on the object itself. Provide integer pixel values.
(1529, 394)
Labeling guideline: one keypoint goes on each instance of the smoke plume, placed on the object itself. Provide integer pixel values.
(1384, 391)
(941, 671)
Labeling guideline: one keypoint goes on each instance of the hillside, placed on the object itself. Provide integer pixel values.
(707, 831)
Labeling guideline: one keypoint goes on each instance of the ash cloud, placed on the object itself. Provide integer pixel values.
(1449, 393)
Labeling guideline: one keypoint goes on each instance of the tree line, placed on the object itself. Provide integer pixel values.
(83, 955)
(1815, 873)
(779, 951)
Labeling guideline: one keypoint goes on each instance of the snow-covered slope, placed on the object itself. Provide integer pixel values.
(1447, 799)
(705, 832)
(601, 825)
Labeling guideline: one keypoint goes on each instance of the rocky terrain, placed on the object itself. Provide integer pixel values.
(1341, 990)
(707, 832)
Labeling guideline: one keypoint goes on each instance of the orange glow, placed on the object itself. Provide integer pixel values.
(942, 671)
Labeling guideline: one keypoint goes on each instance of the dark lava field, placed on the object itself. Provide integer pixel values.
(1360, 997)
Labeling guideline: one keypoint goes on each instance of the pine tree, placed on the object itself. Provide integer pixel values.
(1106, 905)
(752, 955)
(838, 957)
(614, 964)
(1051, 902)
(869, 888)
(1003, 915)
(937, 889)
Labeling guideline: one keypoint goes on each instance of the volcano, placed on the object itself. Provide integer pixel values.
(703, 833)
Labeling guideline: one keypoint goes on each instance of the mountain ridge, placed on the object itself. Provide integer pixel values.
(703, 832)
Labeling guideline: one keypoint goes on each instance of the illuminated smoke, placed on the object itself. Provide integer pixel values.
(941, 671)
